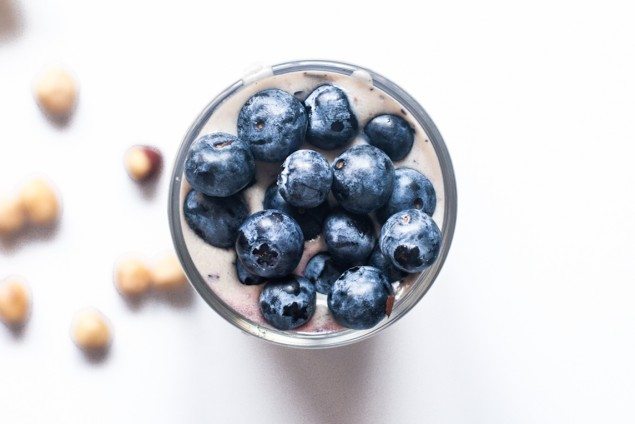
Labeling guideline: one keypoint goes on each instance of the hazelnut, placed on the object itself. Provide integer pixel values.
(56, 93)
(142, 162)
(90, 330)
(15, 301)
(39, 202)
(167, 273)
(12, 217)
(132, 277)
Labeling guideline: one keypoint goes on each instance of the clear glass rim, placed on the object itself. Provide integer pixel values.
(421, 285)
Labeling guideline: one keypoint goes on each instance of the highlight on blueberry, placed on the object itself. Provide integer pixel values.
(363, 178)
(322, 271)
(361, 297)
(332, 122)
(273, 123)
(411, 239)
(219, 165)
(412, 190)
(215, 219)
(392, 134)
(349, 238)
(305, 179)
(288, 303)
(269, 244)
(310, 220)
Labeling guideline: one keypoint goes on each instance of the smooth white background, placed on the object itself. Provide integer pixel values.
(532, 318)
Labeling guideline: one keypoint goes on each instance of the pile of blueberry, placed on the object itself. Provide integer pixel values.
(356, 271)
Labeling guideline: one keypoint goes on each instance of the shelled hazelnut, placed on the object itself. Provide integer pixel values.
(167, 273)
(15, 301)
(12, 217)
(143, 162)
(39, 201)
(132, 277)
(56, 93)
(90, 330)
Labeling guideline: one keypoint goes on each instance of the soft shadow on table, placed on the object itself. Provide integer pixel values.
(11, 21)
(59, 122)
(332, 385)
(9, 244)
(17, 330)
(179, 298)
(96, 356)
(148, 189)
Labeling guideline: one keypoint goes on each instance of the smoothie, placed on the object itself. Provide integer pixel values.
(216, 266)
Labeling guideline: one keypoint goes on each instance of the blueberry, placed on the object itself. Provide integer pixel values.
(310, 220)
(305, 179)
(411, 240)
(392, 134)
(332, 123)
(349, 238)
(383, 263)
(363, 179)
(288, 303)
(269, 244)
(219, 165)
(215, 219)
(322, 271)
(412, 190)
(247, 278)
(360, 298)
(274, 123)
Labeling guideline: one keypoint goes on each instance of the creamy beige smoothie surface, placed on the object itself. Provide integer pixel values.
(216, 265)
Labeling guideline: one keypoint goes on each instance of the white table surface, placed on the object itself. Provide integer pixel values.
(532, 318)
